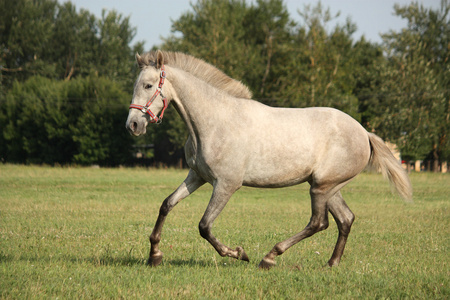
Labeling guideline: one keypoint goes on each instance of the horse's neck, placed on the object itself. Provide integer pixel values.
(201, 106)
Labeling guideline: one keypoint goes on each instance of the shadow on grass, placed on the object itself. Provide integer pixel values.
(132, 261)
(97, 261)
(114, 261)
(125, 261)
(189, 263)
(6, 258)
(108, 260)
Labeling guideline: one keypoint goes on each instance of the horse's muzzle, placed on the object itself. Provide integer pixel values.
(136, 126)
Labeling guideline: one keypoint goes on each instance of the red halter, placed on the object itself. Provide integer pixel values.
(146, 109)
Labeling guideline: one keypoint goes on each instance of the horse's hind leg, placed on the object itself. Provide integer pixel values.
(344, 220)
(318, 222)
(189, 185)
(221, 194)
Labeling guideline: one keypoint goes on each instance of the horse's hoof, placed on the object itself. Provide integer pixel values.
(331, 264)
(266, 264)
(241, 254)
(154, 261)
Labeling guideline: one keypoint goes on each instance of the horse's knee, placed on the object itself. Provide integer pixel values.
(350, 219)
(322, 226)
(346, 223)
(317, 225)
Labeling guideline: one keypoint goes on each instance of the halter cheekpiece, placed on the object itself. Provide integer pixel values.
(146, 109)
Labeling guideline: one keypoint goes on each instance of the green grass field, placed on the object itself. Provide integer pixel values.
(83, 233)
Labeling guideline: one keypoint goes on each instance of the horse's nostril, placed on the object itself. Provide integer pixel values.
(134, 126)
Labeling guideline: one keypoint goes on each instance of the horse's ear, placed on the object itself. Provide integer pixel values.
(159, 59)
(139, 61)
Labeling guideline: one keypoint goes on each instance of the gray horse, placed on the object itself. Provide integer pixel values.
(235, 141)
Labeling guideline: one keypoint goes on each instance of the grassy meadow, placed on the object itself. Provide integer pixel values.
(83, 233)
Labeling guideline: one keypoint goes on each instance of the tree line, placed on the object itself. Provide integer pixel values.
(67, 76)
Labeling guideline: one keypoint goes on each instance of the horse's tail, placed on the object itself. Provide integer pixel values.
(382, 159)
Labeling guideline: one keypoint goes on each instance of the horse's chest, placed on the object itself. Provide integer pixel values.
(190, 150)
(211, 160)
(196, 160)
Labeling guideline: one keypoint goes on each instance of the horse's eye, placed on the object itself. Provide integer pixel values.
(148, 86)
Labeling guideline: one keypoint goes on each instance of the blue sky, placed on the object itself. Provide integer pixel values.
(153, 19)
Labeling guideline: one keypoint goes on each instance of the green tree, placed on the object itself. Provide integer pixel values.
(411, 104)
(115, 57)
(268, 30)
(55, 41)
(319, 71)
(99, 130)
(37, 119)
(408, 106)
(53, 121)
(26, 31)
(213, 32)
(368, 58)
(66, 81)
(74, 53)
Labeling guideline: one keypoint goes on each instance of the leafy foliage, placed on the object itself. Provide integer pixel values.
(77, 121)
(55, 41)
(411, 107)
(66, 84)
(398, 89)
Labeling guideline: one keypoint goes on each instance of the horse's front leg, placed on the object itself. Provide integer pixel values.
(221, 194)
(189, 185)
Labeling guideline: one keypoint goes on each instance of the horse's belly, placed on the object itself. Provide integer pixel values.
(274, 182)
(276, 175)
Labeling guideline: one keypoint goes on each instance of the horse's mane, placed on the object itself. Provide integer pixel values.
(200, 69)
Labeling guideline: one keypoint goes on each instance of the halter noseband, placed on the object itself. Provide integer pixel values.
(146, 109)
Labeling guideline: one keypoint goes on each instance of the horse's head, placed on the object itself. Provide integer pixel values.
(149, 101)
